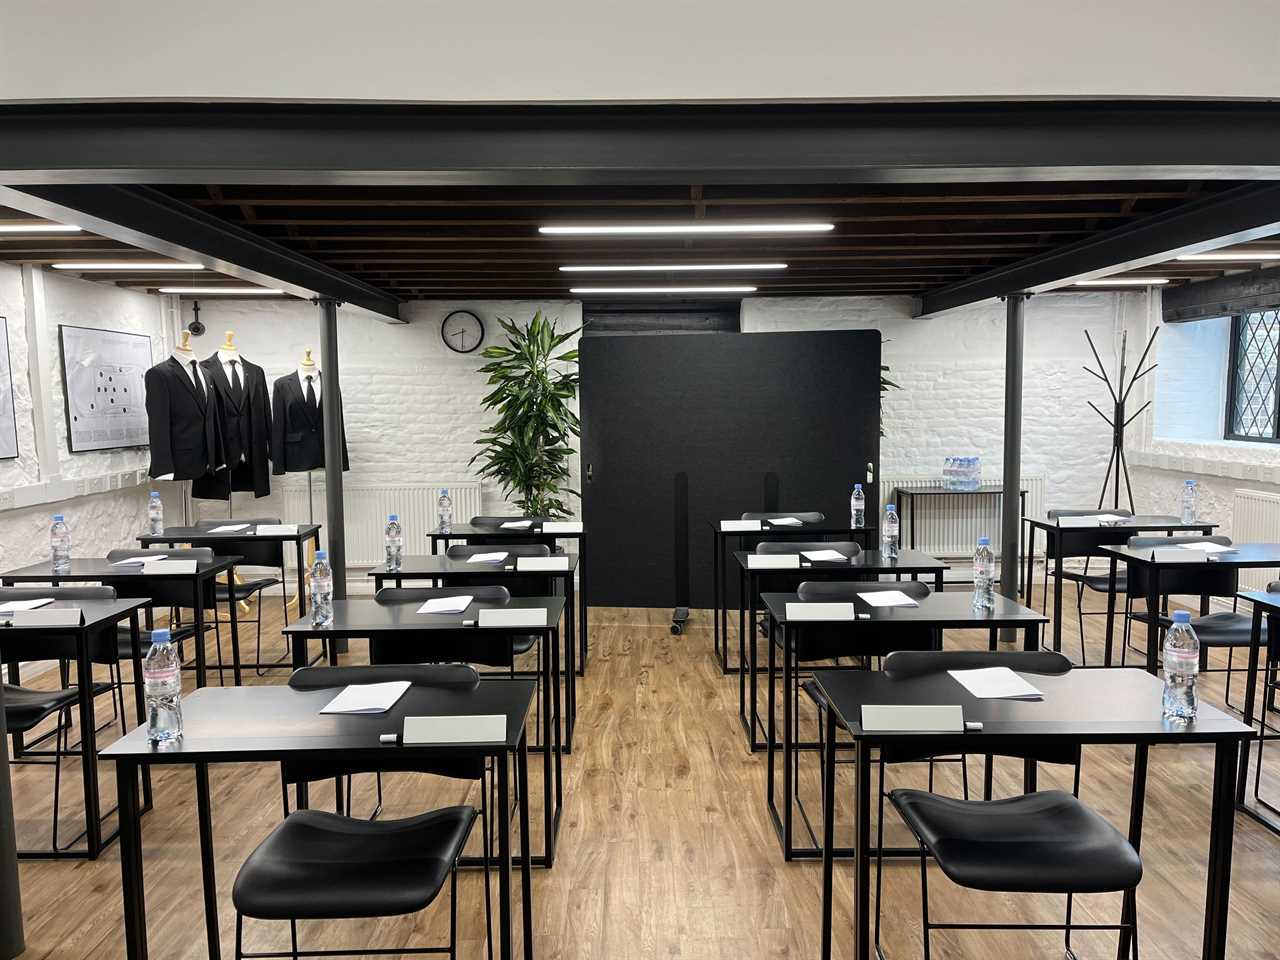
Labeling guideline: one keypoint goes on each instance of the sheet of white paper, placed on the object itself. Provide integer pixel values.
(476, 728)
(543, 564)
(48, 617)
(818, 556)
(1110, 518)
(947, 718)
(784, 522)
(888, 598)
(277, 529)
(517, 525)
(168, 567)
(820, 611)
(773, 561)
(141, 558)
(1207, 547)
(229, 528)
(497, 557)
(1175, 555)
(739, 526)
(519, 617)
(446, 604)
(13, 605)
(367, 697)
(562, 526)
(996, 683)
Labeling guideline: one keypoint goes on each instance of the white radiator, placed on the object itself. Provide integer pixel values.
(949, 526)
(368, 504)
(1255, 518)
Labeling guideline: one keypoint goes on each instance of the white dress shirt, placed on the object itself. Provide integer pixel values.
(185, 363)
(314, 374)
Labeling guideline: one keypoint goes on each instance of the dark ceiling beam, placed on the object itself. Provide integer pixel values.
(1223, 297)
(148, 219)
(330, 144)
(985, 216)
(1233, 216)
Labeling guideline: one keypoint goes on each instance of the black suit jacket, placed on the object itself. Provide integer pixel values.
(246, 430)
(184, 432)
(297, 429)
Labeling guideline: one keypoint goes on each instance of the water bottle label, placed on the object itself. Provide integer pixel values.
(1181, 662)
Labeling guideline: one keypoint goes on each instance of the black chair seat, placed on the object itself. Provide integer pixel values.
(523, 643)
(124, 640)
(1094, 581)
(1221, 629)
(24, 708)
(245, 590)
(321, 866)
(1045, 842)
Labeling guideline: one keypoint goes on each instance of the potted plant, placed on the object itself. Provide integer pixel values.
(528, 449)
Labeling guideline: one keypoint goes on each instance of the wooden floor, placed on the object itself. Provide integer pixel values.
(666, 850)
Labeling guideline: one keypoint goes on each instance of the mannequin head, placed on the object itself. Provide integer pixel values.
(184, 343)
(228, 340)
(306, 359)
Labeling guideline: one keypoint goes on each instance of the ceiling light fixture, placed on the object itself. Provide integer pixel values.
(660, 229)
(126, 266)
(663, 290)
(38, 228)
(1230, 256)
(213, 291)
(1123, 282)
(672, 267)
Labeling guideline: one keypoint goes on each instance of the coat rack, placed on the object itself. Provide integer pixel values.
(1118, 421)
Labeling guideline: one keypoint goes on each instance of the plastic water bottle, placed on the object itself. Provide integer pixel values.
(1181, 668)
(1189, 502)
(60, 544)
(321, 590)
(162, 687)
(984, 576)
(444, 512)
(889, 533)
(155, 514)
(858, 507)
(393, 537)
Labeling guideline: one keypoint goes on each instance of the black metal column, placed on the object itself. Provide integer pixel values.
(331, 401)
(11, 940)
(1010, 505)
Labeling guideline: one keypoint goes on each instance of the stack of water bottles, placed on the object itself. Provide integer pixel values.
(962, 473)
(155, 514)
(444, 512)
(393, 538)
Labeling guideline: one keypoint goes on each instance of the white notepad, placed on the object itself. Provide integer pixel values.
(562, 526)
(476, 728)
(517, 617)
(168, 567)
(785, 522)
(446, 604)
(15, 605)
(739, 526)
(1177, 555)
(888, 598)
(944, 718)
(229, 528)
(367, 697)
(1207, 547)
(496, 557)
(517, 525)
(277, 529)
(48, 617)
(996, 683)
(141, 558)
(543, 564)
(820, 611)
(773, 561)
(819, 556)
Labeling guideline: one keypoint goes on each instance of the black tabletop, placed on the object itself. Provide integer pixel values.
(1136, 524)
(204, 535)
(940, 490)
(96, 613)
(1088, 706)
(100, 568)
(438, 565)
(868, 561)
(270, 722)
(1240, 555)
(952, 610)
(361, 616)
(460, 531)
(818, 527)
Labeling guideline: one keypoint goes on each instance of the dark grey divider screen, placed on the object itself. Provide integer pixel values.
(756, 421)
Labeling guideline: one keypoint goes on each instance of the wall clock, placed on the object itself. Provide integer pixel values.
(462, 331)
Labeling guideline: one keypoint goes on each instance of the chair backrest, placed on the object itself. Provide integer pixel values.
(1086, 512)
(174, 593)
(807, 516)
(57, 593)
(846, 547)
(820, 591)
(497, 522)
(460, 551)
(252, 521)
(467, 644)
(422, 594)
(252, 551)
(1081, 543)
(445, 676)
(1196, 581)
(199, 554)
(518, 585)
(821, 641)
(102, 646)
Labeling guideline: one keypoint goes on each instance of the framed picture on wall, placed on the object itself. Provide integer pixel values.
(102, 373)
(8, 415)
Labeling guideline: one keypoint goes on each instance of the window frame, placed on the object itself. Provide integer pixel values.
(1237, 322)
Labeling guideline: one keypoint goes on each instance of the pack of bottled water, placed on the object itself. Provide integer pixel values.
(962, 473)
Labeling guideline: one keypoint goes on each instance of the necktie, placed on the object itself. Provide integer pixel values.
(195, 377)
(311, 395)
(237, 388)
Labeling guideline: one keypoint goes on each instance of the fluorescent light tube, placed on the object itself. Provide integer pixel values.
(610, 290)
(673, 267)
(1123, 282)
(125, 266)
(239, 291)
(1230, 256)
(659, 229)
(38, 228)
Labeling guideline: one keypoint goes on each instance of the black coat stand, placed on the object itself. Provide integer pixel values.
(1119, 391)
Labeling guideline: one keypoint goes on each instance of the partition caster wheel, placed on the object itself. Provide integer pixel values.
(679, 617)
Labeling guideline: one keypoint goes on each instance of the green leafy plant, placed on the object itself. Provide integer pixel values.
(528, 449)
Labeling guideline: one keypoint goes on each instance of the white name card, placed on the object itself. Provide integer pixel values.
(1175, 555)
(47, 617)
(1079, 522)
(277, 530)
(476, 728)
(773, 561)
(517, 525)
(562, 526)
(820, 611)
(740, 526)
(169, 567)
(947, 718)
(542, 564)
(513, 617)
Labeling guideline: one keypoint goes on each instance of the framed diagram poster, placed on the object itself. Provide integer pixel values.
(8, 415)
(102, 373)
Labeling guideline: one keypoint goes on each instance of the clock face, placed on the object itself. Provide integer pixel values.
(462, 331)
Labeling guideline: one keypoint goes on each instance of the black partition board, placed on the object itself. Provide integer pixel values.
(736, 413)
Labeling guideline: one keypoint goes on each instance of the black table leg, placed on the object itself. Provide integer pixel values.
(1057, 600)
(771, 722)
(298, 644)
(788, 738)
(1255, 644)
(1030, 637)
(862, 853)
(1022, 507)
(302, 577)
(88, 746)
(1137, 805)
(753, 725)
(550, 740)
(139, 701)
(1221, 833)
(135, 907)
(504, 850)
(570, 668)
(235, 626)
(938, 582)
(1153, 616)
(526, 862)
(715, 600)
(198, 615)
(583, 643)
(1111, 612)
(828, 826)
(742, 656)
(1029, 566)
(207, 860)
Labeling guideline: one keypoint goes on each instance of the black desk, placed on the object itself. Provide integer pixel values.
(200, 537)
(867, 565)
(451, 572)
(1085, 541)
(129, 580)
(1242, 556)
(1264, 605)
(275, 723)
(823, 530)
(909, 495)
(364, 618)
(467, 533)
(98, 615)
(1084, 706)
(939, 611)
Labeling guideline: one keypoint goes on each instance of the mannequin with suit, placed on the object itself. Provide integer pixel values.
(297, 425)
(244, 409)
(182, 418)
